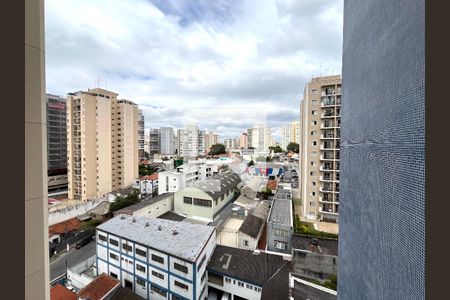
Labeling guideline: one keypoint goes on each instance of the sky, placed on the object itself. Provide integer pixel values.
(222, 64)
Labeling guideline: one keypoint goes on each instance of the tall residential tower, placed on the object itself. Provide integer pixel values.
(102, 143)
(320, 112)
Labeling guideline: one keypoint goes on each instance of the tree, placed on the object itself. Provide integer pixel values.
(294, 147)
(276, 149)
(122, 202)
(217, 149)
(147, 155)
(250, 163)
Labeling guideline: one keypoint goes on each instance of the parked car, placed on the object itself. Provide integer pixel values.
(83, 242)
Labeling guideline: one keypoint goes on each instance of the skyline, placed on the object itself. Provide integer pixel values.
(223, 65)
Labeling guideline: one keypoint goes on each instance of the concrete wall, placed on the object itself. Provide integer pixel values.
(156, 209)
(75, 277)
(37, 275)
(314, 265)
(60, 215)
(252, 243)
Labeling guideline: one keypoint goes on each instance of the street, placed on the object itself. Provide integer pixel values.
(74, 256)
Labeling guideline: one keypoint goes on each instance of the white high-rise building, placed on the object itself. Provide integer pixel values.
(188, 142)
(141, 134)
(290, 133)
(167, 140)
(261, 138)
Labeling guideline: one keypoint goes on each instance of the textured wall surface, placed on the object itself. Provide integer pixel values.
(382, 213)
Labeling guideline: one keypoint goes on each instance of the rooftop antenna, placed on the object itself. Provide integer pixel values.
(98, 81)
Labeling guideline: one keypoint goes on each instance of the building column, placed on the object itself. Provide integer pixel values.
(37, 285)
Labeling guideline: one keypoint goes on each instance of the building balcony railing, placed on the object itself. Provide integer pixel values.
(327, 136)
(324, 199)
(326, 169)
(326, 210)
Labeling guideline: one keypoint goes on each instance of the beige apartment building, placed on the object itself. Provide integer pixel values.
(319, 148)
(290, 133)
(102, 143)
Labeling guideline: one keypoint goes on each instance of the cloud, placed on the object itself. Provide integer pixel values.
(222, 64)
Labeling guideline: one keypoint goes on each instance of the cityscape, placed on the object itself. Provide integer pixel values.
(188, 190)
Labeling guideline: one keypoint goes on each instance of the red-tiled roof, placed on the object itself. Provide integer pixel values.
(272, 184)
(154, 176)
(65, 226)
(59, 292)
(99, 287)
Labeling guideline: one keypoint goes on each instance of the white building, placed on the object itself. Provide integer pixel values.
(201, 142)
(231, 144)
(187, 141)
(261, 138)
(184, 175)
(167, 141)
(147, 185)
(290, 133)
(156, 258)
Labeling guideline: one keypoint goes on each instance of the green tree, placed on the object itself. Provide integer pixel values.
(217, 149)
(122, 202)
(276, 149)
(250, 163)
(294, 147)
(147, 155)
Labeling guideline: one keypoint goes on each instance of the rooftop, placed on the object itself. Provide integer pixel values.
(254, 184)
(98, 288)
(60, 292)
(245, 265)
(170, 215)
(317, 245)
(262, 209)
(252, 226)
(145, 202)
(101, 209)
(219, 184)
(179, 239)
(304, 290)
(66, 226)
(154, 176)
(281, 212)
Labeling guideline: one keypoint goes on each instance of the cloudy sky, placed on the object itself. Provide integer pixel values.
(223, 64)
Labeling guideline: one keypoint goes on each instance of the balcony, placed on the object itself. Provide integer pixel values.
(326, 210)
(325, 199)
(327, 136)
(327, 178)
(326, 168)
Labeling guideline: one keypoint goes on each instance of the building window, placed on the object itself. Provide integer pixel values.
(202, 202)
(314, 143)
(113, 274)
(159, 275)
(314, 123)
(241, 284)
(158, 290)
(114, 242)
(140, 268)
(202, 261)
(102, 238)
(157, 258)
(245, 243)
(315, 92)
(181, 268)
(203, 277)
(228, 280)
(314, 112)
(280, 245)
(187, 200)
(113, 256)
(127, 247)
(181, 285)
(140, 281)
(313, 193)
(141, 252)
(312, 203)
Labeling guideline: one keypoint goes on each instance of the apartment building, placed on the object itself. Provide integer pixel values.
(102, 143)
(188, 141)
(156, 258)
(260, 138)
(290, 133)
(201, 142)
(211, 139)
(154, 141)
(56, 135)
(230, 144)
(319, 148)
(167, 141)
(243, 141)
(141, 135)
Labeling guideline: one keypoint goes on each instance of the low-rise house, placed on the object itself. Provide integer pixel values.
(80, 275)
(279, 223)
(205, 199)
(246, 274)
(156, 258)
(101, 211)
(60, 292)
(252, 188)
(149, 206)
(147, 185)
(313, 257)
(104, 287)
(250, 232)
